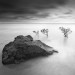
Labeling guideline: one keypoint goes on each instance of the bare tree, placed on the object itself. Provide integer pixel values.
(65, 31)
(45, 31)
(37, 33)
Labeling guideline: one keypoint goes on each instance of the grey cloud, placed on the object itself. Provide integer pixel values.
(13, 9)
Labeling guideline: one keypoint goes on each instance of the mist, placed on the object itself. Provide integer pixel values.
(62, 63)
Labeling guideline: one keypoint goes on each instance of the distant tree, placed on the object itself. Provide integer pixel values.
(45, 31)
(65, 31)
(37, 33)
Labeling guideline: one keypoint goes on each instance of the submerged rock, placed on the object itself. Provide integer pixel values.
(24, 48)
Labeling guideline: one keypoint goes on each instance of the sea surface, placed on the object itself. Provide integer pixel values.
(62, 63)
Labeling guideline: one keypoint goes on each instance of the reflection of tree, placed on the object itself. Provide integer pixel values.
(45, 31)
(65, 31)
(37, 33)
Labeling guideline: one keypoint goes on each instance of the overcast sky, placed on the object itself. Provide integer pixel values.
(23, 8)
(30, 9)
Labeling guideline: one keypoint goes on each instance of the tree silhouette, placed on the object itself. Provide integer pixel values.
(45, 31)
(37, 33)
(65, 31)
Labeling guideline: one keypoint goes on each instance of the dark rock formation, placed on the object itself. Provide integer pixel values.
(23, 38)
(24, 48)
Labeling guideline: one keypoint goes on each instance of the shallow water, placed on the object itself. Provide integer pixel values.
(62, 63)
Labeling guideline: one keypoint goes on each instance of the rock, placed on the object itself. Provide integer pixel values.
(23, 38)
(28, 36)
(22, 49)
(55, 51)
(41, 44)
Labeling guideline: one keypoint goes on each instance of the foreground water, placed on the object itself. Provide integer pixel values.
(62, 63)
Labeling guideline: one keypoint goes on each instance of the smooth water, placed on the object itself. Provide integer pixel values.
(62, 63)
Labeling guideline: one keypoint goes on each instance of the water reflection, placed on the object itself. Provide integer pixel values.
(65, 41)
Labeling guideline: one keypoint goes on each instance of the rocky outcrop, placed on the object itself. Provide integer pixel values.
(23, 38)
(24, 48)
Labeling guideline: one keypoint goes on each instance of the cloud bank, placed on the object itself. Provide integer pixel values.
(22, 8)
